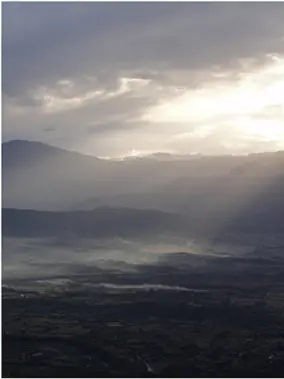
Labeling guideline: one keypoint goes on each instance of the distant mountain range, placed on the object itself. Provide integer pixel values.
(207, 190)
(99, 223)
(159, 156)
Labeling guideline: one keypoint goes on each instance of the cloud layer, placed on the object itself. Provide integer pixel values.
(107, 78)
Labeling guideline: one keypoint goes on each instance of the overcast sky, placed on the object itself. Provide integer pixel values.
(114, 79)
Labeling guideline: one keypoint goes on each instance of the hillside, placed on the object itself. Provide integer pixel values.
(205, 189)
(102, 222)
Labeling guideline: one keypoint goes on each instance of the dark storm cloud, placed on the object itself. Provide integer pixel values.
(45, 42)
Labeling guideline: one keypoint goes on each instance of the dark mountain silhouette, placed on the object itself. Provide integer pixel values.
(213, 192)
(101, 222)
(18, 153)
(40, 176)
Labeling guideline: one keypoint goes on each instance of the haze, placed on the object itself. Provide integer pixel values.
(142, 196)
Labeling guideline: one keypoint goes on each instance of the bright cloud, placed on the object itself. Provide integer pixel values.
(253, 93)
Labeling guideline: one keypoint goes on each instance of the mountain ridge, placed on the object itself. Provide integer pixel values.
(100, 222)
(156, 155)
(58, 179)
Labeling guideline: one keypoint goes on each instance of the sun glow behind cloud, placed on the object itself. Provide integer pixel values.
(252, 105)
(230, 112)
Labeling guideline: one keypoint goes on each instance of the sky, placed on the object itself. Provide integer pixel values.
(117, 79)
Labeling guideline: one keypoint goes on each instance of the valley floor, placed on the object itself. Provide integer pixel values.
(229, 323)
